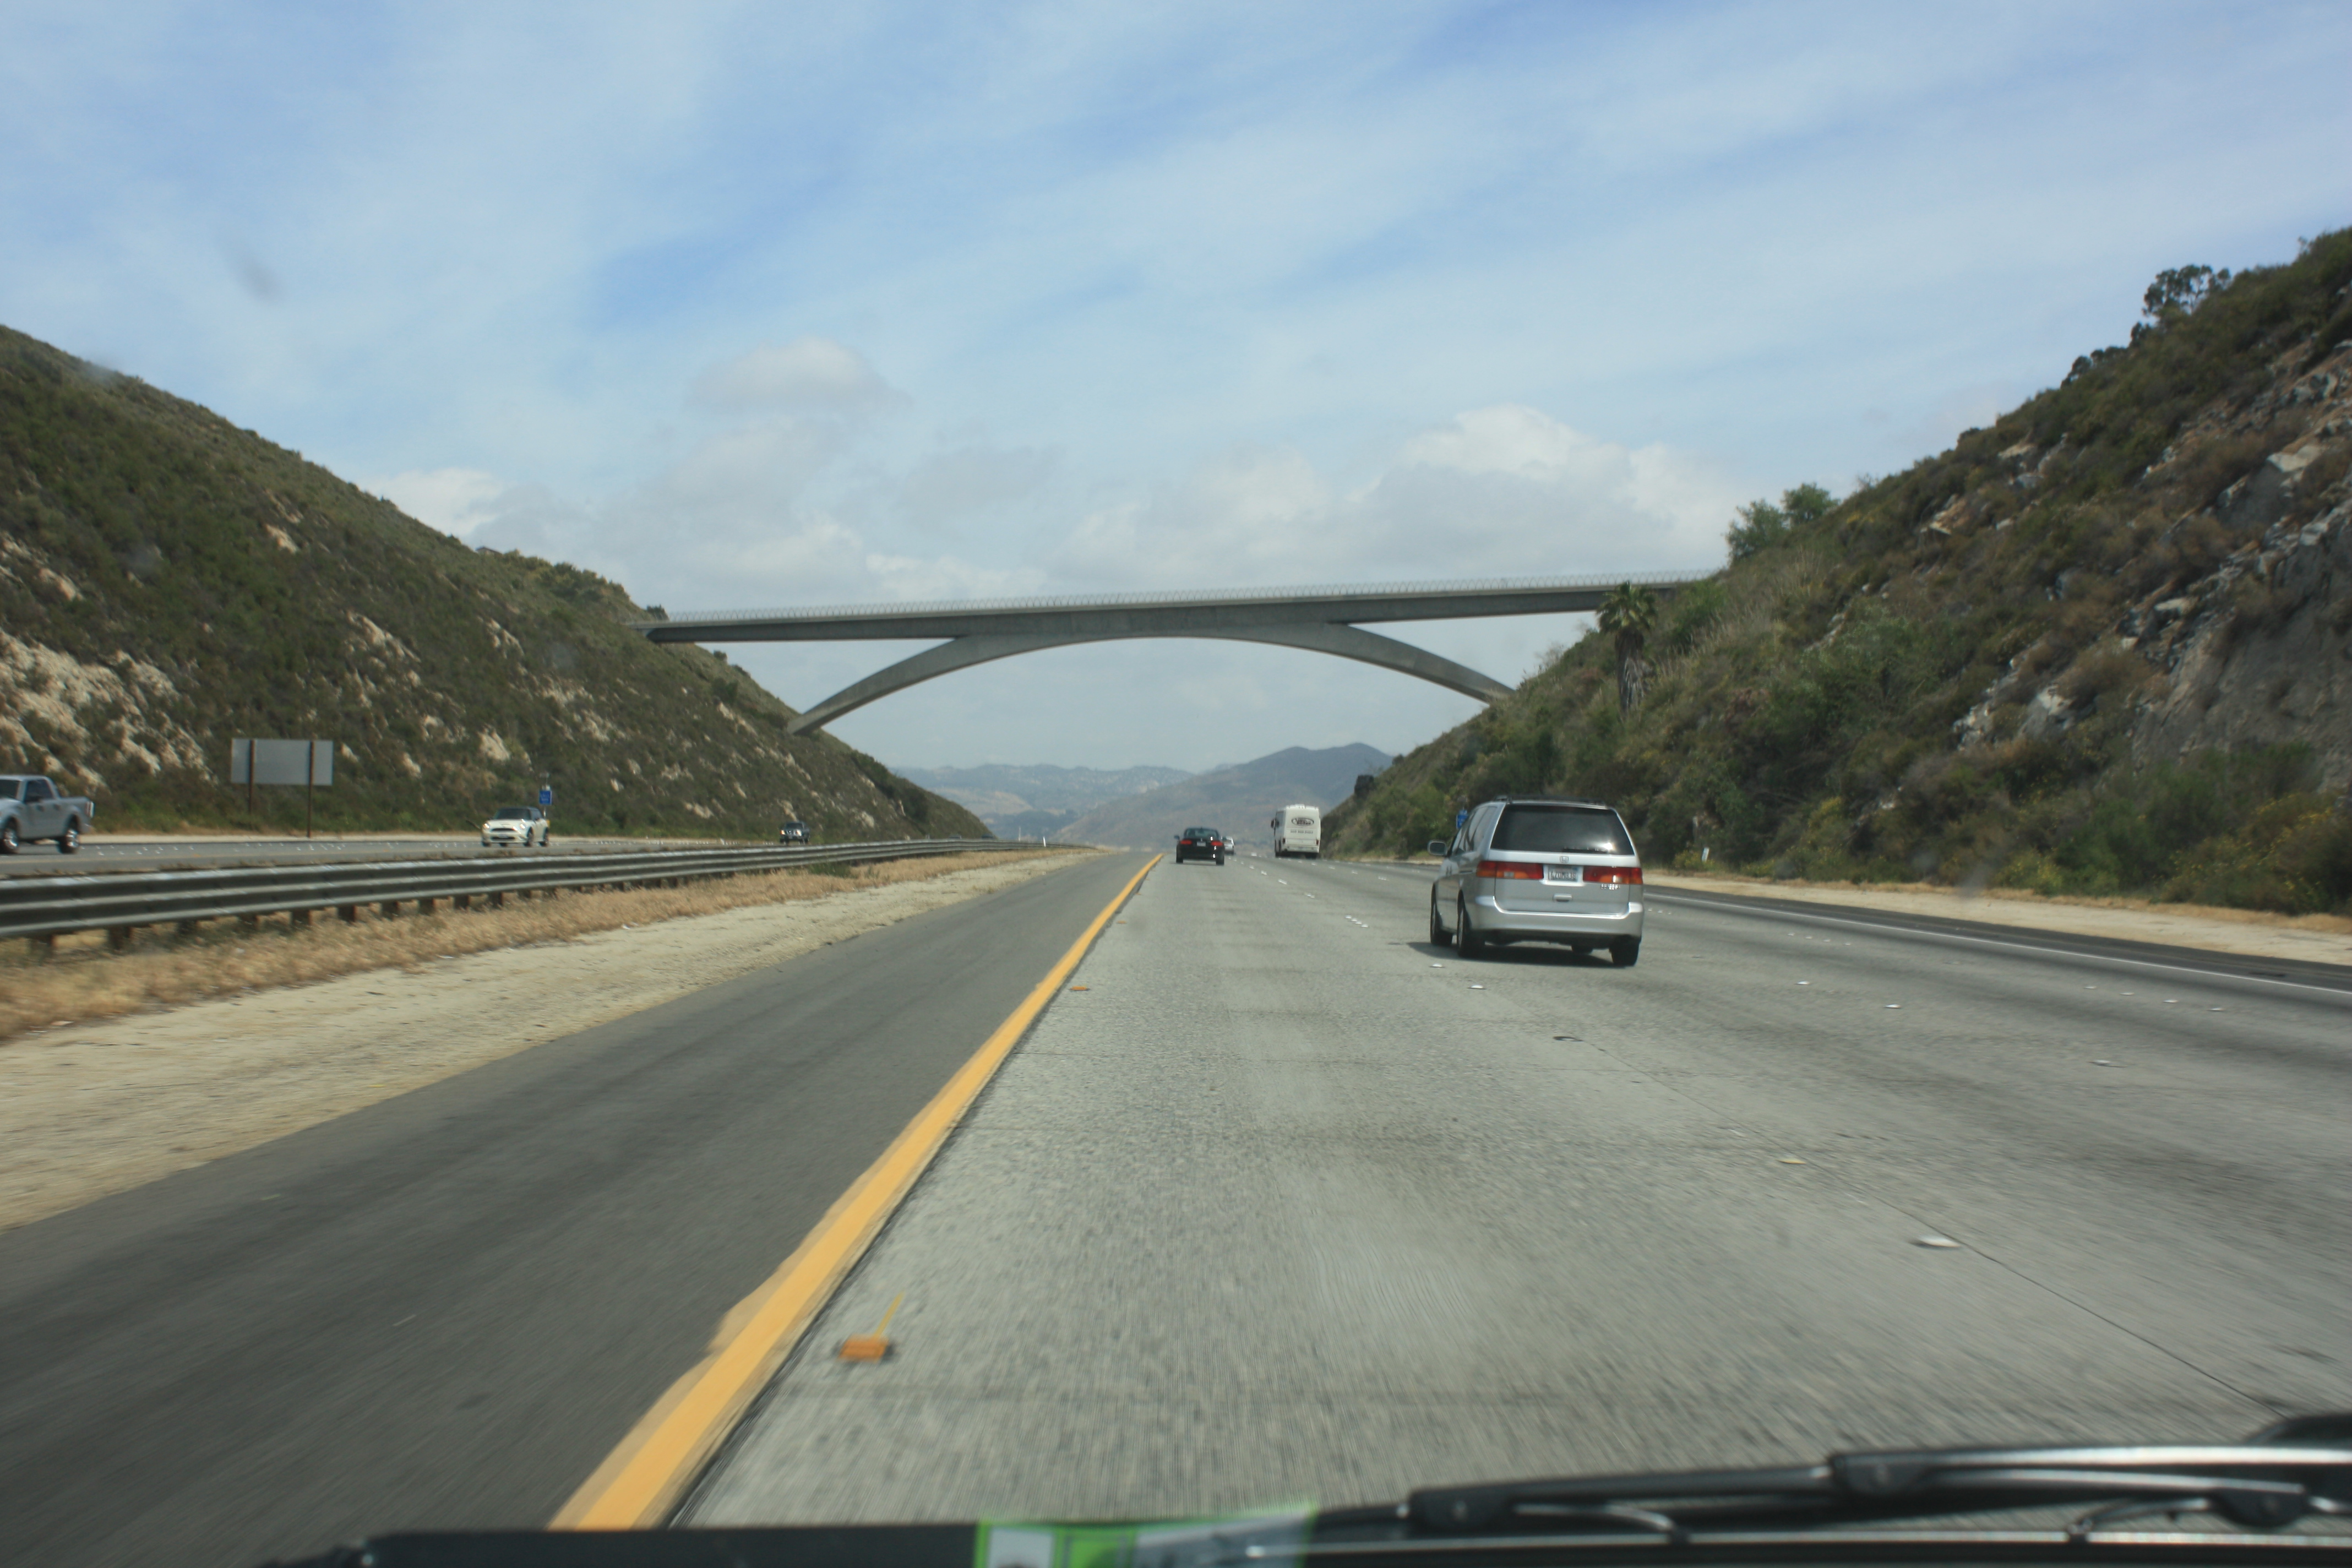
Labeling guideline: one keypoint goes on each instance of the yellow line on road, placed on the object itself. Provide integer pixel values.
(642, 1480)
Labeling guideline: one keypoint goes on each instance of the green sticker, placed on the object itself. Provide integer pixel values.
(1273, 1535)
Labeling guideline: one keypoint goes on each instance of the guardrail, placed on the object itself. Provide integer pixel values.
(43, 908)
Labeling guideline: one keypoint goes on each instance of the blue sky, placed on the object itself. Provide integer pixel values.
(751, 305)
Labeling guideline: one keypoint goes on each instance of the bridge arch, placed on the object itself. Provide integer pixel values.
(1320, 619)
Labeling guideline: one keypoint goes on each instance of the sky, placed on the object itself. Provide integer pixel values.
(763, 305)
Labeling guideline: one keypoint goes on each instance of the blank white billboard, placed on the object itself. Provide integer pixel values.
(281, 762)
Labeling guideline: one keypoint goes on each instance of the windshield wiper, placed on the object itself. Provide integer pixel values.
(2272, 1479)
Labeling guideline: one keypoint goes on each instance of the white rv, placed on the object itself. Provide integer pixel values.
(1299, 831)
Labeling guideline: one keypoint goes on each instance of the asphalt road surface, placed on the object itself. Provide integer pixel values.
(1282, 1204)
(446, 1309)
(1286, 1203)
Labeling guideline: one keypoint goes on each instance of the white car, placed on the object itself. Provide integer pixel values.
(515, 827)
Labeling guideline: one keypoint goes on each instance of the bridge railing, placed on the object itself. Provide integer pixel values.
(1180, 597)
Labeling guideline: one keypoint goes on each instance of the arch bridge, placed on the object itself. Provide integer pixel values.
(1322, 619)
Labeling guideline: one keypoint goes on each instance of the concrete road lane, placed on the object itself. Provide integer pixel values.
(445, 1310)
(1289, 1204)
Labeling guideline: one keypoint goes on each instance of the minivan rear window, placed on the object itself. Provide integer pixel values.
(1562, 830)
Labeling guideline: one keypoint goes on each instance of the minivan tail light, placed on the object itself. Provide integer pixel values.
(1510, 868)
(1628, 875)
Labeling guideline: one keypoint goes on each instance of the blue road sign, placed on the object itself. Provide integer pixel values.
(546, 795)
(1459, 819)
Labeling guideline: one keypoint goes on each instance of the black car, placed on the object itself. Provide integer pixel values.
(1201, 844)
(793, 833)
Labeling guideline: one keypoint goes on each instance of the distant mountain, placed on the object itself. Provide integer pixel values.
(1239, 800)
(1026, 801)
(169, 582)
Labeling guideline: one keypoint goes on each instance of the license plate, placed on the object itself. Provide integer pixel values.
(1563, 873)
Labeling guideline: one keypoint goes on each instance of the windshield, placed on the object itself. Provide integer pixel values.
(1561, 831)
(11, 789)
(1744, 973)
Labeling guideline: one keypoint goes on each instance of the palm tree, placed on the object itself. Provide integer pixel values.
(1630, 615)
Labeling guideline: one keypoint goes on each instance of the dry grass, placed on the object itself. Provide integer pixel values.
(82, 979)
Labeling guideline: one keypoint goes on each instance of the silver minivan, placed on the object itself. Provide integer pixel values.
(1539, 870)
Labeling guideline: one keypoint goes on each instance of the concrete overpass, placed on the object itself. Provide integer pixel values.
(1322, 619)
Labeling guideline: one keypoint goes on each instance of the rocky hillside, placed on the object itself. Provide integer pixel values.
(169, 582)
(2104, 645)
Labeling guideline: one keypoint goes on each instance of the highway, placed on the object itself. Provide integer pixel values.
(1287, 1204)
(1275, 1202)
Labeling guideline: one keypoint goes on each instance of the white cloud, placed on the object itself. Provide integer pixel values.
(808, 372)
(918, 577)
(1509, 439)
(811, 558)
(1200, 291)
(971, 479)
(455, 500)
(1505, 491)
(748, 470)
(537, 522)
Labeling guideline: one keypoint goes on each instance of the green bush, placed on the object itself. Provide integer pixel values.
(2293, 855)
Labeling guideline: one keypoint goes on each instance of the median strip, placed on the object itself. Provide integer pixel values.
(644, 1479)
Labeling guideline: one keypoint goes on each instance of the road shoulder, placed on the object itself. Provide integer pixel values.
(98, 1108)
(2250, 933)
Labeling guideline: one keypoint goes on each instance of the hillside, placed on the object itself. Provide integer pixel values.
(1018, 801)
(1238, 800)
(169, 582)
(2098, 647)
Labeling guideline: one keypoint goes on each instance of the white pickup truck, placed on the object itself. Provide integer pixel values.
(32, 809)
